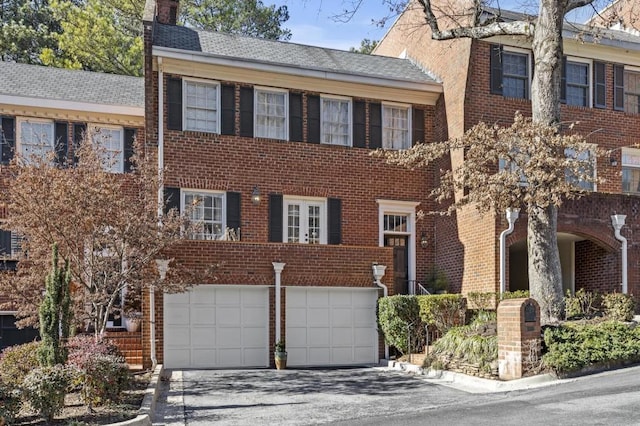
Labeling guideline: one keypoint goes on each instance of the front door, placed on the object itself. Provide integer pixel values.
(400, 263)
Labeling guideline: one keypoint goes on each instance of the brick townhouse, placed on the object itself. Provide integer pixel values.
(488, 80)
(273, 140)
(47, 110)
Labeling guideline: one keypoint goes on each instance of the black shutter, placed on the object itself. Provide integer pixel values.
(233, 210)
(334, 220)
(563, 81)
(359, 124)
(129, 143)
(375, 126)
(618, 87)
(8, 138)
(61, 142)
(228, 116)
(5, 243)
(79, 131)
(418, 126)
(495, 63)
(246, 112)
(599, 85)
(275, 218)
(313, 119)
(174, 104)
(295, 117)
(171, 199)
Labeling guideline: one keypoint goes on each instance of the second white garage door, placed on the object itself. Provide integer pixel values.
(217, 327)
(331, 326)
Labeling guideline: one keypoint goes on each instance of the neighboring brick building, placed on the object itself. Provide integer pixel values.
(45, 109)
(488, 80)
(274, 140)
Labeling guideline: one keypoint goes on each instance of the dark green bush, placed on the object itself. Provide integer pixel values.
(443, 310)
(618, 306)
(44, 389)
(16, 362)
(396, 316)
(572, 346)
(9, 403)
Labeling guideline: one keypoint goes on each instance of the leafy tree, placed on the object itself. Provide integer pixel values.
(366, 46)
(249, 17)
(26, 28)
(106, 226)
(55, 314)
(450, 20)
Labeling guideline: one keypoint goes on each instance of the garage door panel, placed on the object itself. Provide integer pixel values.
(296, 299)
(296, 337)
(319, 298)
(318, 356)
(296, 315)
(340, 298)
(317, 317)
(362, 316)
(319, 336)
(364, 355)
(342, 355)
(216, 327)
(364, 337)
(342, 337)
(341, 317)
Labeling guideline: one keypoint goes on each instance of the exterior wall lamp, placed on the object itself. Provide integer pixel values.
(424, 241)
(255, 196)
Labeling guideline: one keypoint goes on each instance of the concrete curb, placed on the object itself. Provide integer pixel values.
(148, 407)
(473, 384)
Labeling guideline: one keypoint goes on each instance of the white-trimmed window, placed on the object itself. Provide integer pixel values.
(305, 220)
(207, 211)
(515, 73)
(336, 121)
(578, 82)
(36, 137)
(589, 168)
(271, 117)
(631, 170)
(632, 91)
(201, 100)
(396, 125)
(109, 142)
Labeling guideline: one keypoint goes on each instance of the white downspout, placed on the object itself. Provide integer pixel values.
(277, 268)
(618, 220)
(162, 268)
(512, 216)
(378, 273)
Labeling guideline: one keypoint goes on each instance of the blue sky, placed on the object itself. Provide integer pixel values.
(310, 20)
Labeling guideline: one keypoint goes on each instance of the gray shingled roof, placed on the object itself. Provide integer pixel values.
(70, 85)
(287, 54)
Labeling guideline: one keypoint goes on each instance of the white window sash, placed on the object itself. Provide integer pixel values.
(271, 113)
(396, 126)
(336, 121)
(36, 138)
(201, 107)
(211, 219)
(109, 143)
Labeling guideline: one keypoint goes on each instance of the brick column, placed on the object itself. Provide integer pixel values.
(518, 336)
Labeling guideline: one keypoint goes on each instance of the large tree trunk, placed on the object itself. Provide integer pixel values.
(545, 275)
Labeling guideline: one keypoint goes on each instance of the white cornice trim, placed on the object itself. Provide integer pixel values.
(166, 52)
(71, 105)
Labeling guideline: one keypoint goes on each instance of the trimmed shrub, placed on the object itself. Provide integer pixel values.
(572, 346)
(517, 294)
(9, 403)
(398, 315)
(583, 304)
(618, 306)
(16, 362)
(482, 301)
(443, 310)
(44, 389)
(99, 370)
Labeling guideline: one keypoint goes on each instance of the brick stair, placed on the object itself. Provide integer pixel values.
(130, 344)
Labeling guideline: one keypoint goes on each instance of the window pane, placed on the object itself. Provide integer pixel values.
(206, 210)
(577, 84)
(515, 75)
(201, 107)
(314, 225)
(335, 122)
(632, 92)
(36, 139)
(395, 127)
(395, 223)
(109, 143)
(270, 115)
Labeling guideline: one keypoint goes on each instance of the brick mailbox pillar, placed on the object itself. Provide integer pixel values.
(519, 341)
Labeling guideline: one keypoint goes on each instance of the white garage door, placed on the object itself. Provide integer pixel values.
(217, 327)
(331, 326)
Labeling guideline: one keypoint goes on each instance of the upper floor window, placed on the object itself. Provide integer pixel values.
(10, 244)
(510, 71)
(207, 211)
(587, 168)
(576, 82)
(631, 170)
(109, 141)
(627, 89)
(395, 126)
(271, 120)
(305, 220)
(201, 106)
(36, 138)
(336, 121)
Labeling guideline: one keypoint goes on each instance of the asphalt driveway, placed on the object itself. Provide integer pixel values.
(309, 396)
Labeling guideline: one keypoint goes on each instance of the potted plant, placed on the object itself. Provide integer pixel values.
(133, 313)
(280, 355)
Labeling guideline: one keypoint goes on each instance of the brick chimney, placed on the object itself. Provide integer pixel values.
(167, 11)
